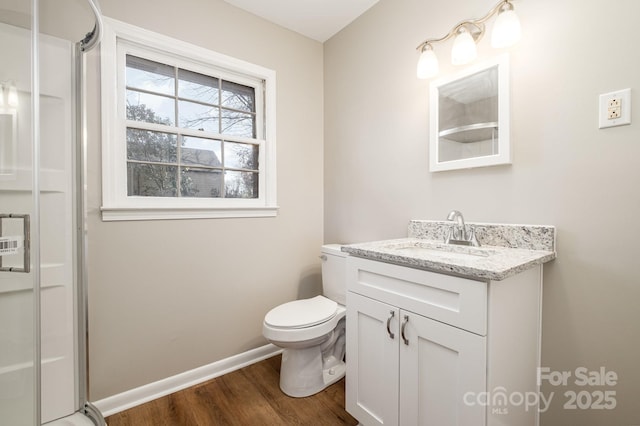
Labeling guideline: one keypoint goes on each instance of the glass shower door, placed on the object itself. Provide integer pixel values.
(19, 292)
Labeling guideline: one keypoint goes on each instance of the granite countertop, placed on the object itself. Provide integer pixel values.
(505, 249)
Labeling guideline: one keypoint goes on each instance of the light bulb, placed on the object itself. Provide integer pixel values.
(506, 30)
(464, 48)
(428, 63)
(12, 97)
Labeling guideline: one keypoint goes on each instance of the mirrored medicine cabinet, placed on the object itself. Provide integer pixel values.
(469, 117)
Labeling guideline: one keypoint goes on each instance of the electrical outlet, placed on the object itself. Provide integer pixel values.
(615, 108)
(614, 112)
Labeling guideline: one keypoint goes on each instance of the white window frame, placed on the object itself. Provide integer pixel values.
(120, 39)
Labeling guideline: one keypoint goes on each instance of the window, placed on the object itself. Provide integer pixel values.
(187, 133)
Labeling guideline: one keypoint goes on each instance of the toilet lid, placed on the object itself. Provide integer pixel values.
(302, 313)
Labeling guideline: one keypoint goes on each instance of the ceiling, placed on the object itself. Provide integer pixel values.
(316, 19)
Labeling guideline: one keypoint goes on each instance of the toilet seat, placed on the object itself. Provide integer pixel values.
(302, 335)
(302, 313)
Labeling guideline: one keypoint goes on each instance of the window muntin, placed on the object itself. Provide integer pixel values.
(175, 162)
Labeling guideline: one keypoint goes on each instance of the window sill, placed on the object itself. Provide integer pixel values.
(110, 214)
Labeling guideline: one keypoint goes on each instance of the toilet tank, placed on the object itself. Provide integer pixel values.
(334, 273)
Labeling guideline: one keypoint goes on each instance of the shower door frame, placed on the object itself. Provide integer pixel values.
(77, 187)
(22, 355)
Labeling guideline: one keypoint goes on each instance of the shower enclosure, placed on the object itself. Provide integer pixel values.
(42, 250)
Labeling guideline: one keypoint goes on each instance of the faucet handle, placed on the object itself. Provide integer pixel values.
(449, 236)
(472, 238)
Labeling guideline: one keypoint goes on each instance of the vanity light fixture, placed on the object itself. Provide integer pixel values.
(464, 48)
(506, 32)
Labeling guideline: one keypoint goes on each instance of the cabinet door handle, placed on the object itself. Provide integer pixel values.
(391, 315)
(404, 324)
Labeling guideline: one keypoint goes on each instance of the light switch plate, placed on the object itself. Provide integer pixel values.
(615, 109)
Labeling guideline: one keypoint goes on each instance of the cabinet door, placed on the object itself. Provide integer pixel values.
(442, 373)
(372, 361)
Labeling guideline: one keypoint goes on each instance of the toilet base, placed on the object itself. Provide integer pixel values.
(301, 372)
(333, 374)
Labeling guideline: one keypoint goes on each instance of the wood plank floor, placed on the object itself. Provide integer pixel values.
(249, 396)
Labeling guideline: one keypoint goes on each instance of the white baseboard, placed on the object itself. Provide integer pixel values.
(131, 398)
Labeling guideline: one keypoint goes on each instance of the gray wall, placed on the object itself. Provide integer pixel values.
(169, 296)
(566, 172)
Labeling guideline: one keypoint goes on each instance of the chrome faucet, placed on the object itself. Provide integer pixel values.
(458, 232)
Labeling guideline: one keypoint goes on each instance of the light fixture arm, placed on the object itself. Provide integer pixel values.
(475, 27)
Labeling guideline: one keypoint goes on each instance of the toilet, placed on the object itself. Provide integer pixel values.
(312, 331)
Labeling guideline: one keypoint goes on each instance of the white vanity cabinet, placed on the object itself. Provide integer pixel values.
(425, 348)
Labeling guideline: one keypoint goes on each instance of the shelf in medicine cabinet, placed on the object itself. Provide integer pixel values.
(471, 132)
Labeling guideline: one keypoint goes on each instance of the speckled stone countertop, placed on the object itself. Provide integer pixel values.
(505, 249)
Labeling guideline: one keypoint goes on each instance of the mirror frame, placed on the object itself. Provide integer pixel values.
(504, 139)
